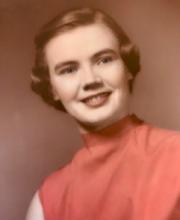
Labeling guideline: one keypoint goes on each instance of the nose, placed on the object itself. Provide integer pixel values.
(90, 80)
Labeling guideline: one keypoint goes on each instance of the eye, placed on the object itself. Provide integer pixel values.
(105, 60)
(68, 70)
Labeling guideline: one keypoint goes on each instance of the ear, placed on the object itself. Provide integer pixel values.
(129, 76)
(55, 95)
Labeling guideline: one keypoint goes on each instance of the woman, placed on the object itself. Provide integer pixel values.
(85, 65)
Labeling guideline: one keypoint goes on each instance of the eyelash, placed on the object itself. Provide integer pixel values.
(71, 69)
(105, 60)
(68, 70)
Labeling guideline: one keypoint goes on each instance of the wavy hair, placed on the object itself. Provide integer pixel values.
(70, 20)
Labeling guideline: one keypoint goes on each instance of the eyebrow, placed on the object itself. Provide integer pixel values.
(66, 63)
(94, 57)
(102, 52)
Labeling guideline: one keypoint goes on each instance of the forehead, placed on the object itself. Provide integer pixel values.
(81, 42)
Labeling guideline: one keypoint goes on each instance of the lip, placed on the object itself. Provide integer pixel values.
(95, 95)
(96, 100)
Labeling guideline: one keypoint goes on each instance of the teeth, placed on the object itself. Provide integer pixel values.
(97, 100)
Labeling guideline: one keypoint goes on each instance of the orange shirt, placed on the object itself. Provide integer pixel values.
(127, 171)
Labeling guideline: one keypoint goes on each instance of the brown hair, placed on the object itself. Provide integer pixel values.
(67, 21)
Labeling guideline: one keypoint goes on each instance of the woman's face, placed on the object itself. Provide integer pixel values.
(88, 75)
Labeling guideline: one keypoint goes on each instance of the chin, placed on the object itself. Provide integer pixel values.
(91, 125)
(99, 119)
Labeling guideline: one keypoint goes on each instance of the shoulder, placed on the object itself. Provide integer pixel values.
(64, 174)
(59, 181)
(55, 179)
(53, 189)
(160, 149)
(153, 138)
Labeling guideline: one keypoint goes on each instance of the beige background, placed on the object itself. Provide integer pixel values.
(36, 139)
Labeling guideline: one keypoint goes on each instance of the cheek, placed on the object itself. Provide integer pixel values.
(115, 75)
(65, 90)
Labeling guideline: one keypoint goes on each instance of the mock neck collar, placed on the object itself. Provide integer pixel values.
(107, 134)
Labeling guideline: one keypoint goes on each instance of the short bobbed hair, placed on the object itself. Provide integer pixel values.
(70, 20)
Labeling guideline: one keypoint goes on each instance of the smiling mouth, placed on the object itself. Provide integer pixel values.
(96, 100)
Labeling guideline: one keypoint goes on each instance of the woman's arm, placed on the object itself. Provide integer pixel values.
(35, 210)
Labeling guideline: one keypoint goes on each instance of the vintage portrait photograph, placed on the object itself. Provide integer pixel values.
(90, 111)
